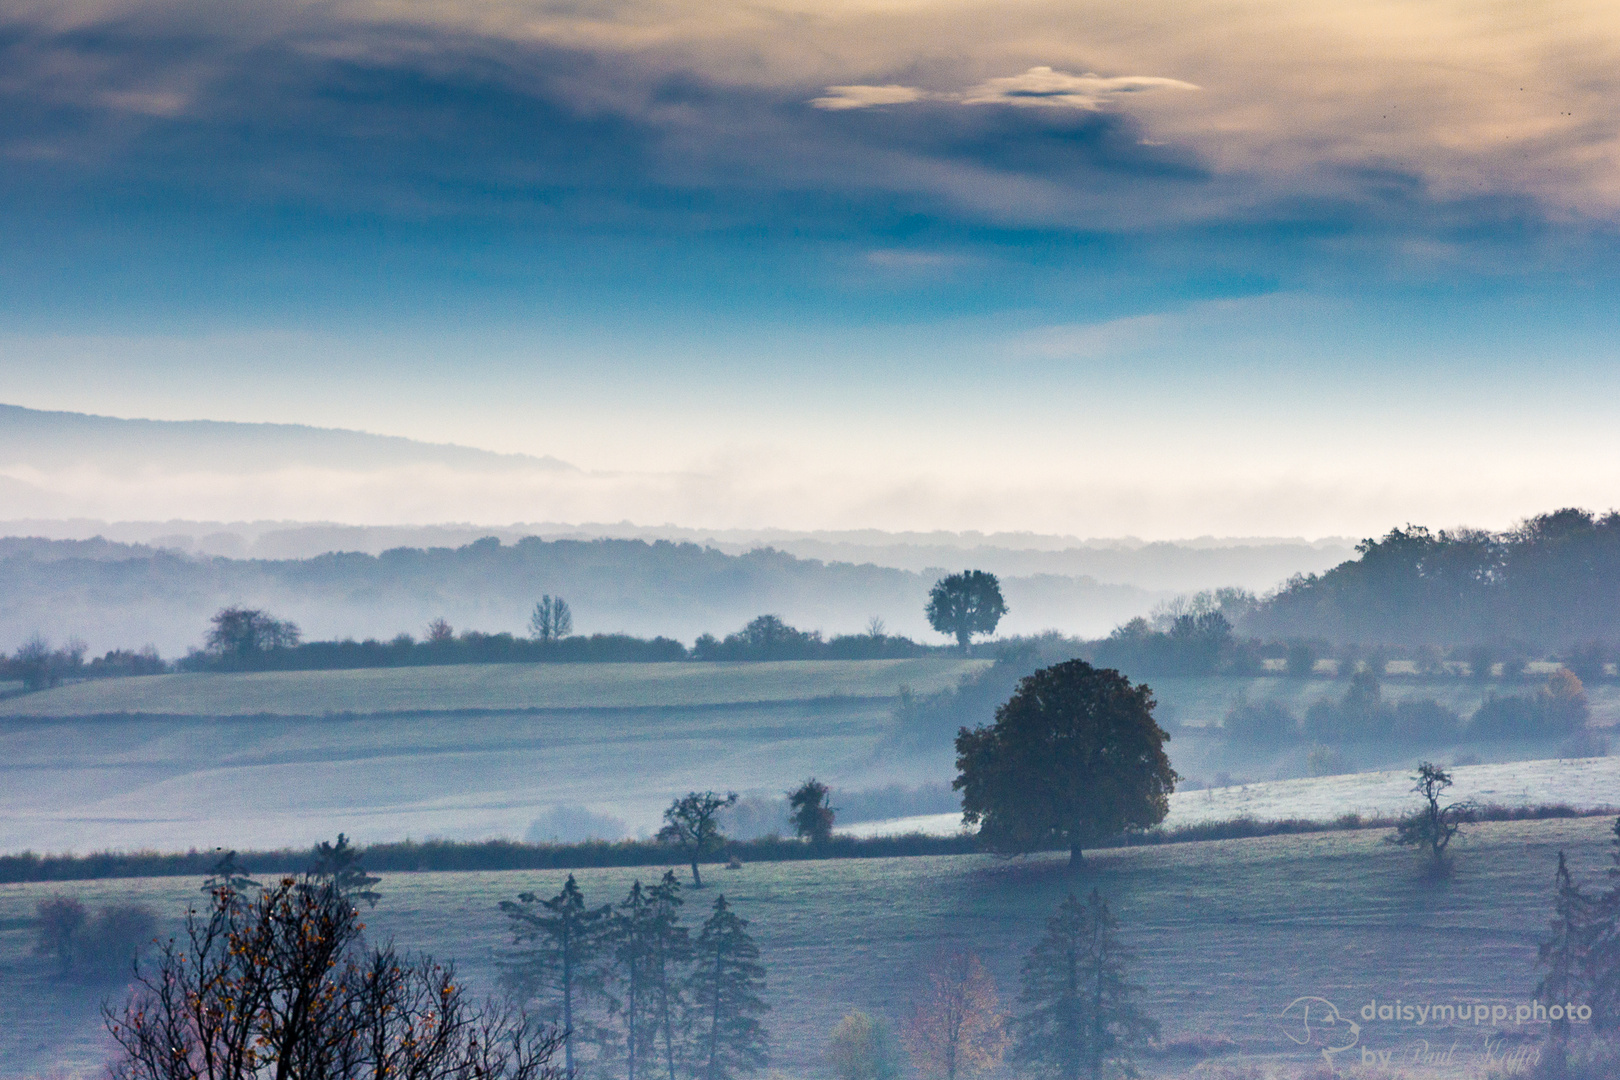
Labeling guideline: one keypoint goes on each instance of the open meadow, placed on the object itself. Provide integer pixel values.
(266, 760)
(1227, 935)
(263, 760)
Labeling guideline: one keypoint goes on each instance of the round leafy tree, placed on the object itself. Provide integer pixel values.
(1073, 757)
(965, 604)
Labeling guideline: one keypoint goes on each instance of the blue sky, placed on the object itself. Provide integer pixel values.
(1081, 267)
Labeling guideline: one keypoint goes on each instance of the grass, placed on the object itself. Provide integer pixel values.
(487, 687)
(1226, 934)
(449, 855)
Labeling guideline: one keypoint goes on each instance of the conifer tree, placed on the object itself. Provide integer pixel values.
(1562, 954)
(561, 967)
(1078, 1013)
(727, 1038)
(634, 932)
(1602, 961)
(339, 863)
(671, 949)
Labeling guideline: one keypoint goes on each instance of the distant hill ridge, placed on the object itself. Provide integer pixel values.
(51, 440)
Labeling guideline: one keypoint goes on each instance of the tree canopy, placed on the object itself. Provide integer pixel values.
(1074, 756)
(692, 823)
(965, 604)
(1552, 580)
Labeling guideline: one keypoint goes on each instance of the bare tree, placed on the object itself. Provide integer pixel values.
(692, 824)
(956, 1030)
(551, 620)
(1432, 825)
(279, 987)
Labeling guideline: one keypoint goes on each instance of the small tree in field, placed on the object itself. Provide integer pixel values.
(863, 1049)
(692, 824)
(1432, 825)
(956, 1029)
(280, 986)
(809, 811)
(1074, 756)
(724, 993)
(551, 619)
(1079, 1011)
(965, 604)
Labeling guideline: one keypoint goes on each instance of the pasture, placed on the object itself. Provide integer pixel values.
(254, 761)
(488, 687)
(283, 759)
(1227, 935)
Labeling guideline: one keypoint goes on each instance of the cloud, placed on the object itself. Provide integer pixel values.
(1039, 86)
(863, 97)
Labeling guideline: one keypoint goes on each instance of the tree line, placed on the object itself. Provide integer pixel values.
(1552, 582)
(1556, 709)
(251, 639)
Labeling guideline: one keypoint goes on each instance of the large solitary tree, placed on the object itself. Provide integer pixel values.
(965, 604)
(1074, 756)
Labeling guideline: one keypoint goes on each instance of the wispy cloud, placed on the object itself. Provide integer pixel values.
(864, 97)
(1041, 87)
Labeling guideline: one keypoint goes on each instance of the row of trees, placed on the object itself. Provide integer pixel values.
(630, 987)
(39, 665)
(243, 638)
(1556, 709)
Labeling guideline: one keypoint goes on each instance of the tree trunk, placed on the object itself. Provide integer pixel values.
(697, 879)
(1076, 860)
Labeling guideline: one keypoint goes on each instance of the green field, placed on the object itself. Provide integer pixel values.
(1228, 933)
(504, 687)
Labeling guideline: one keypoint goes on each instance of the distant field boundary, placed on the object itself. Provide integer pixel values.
(411, 856)
(822, 701)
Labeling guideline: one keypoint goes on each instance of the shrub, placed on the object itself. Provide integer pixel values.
(1261, 723)
(1558, 708)
(105, 944)
(57, 925)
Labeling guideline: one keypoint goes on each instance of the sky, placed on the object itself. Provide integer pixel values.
(1165, 269)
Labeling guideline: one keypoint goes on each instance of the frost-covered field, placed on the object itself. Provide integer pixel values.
(1580, 782)
(1227, 934)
